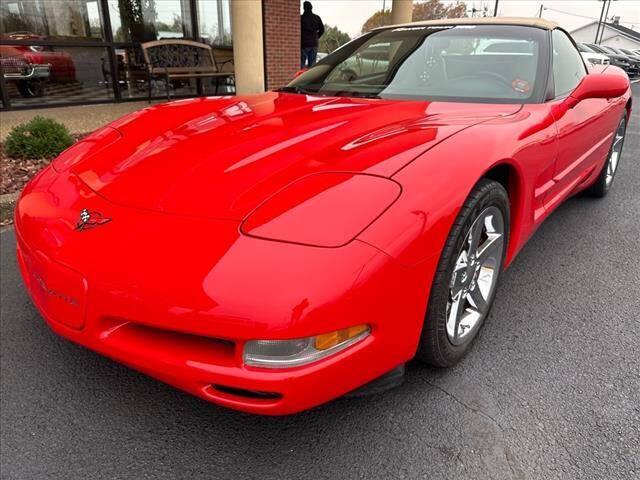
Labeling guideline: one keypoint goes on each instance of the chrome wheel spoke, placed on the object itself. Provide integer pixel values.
(614, 162)
(459, 276)
(455, 315)
(474, 235)
(616, 151)
(492, 248)
(478, 300)
(617, 141)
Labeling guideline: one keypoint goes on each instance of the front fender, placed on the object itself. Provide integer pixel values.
(436, 185)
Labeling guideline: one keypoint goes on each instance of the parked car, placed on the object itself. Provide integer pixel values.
(30, 66)
(615, 58)
(272, 252)
(634, 64)
(591, 56)
(28, 77)
(630, 53)
(634, 60)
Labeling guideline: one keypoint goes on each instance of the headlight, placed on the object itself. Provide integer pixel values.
(323, 209)
(301, 351)
(595, 61)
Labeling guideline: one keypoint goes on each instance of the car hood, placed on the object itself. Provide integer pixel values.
(222, 157)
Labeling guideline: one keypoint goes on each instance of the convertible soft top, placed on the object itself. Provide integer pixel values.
(523, 21)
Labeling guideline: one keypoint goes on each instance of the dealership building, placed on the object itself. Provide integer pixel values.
(64, 52)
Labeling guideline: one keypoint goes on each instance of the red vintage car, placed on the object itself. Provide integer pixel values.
(273, 252)
(29, 66)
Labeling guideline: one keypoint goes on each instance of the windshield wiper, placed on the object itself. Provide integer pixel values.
(326, 93)
(350, 93)
(294, 89)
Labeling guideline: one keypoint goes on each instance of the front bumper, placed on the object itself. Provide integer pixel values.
(176, 298)
(26, 72)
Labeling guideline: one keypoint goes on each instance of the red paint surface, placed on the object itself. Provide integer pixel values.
(281, 216)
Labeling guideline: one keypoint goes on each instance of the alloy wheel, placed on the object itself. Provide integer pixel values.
(475, 275)
(616, 151)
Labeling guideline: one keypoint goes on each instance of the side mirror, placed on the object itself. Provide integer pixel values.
(598, 85)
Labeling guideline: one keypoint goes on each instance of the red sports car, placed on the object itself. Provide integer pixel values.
(29, 67)
(273, 252)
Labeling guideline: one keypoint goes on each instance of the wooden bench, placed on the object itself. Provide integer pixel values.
(183, 59)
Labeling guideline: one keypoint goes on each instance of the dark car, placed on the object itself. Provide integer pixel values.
(630, 53)
(616, 59)
(634, 62)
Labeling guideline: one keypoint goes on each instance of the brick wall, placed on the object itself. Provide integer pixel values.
(281, 41)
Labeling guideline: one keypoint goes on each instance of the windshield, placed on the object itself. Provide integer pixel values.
(583, 48)
(595, 48)
(487, 63)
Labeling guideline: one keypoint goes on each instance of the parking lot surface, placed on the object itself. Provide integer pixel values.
(550, 390)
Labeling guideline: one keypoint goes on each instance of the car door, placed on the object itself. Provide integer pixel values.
(584, 131)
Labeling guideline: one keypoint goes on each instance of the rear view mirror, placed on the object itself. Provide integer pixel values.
(598, 85)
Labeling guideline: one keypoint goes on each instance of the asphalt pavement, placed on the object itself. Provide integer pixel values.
(550, 390)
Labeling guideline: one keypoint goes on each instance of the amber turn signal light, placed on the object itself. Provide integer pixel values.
(330, 340)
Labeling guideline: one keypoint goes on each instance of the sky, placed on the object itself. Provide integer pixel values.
(349, 15)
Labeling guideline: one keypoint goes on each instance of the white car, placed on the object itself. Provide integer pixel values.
(591, 56)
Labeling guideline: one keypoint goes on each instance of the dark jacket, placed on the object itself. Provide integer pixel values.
(311, 29)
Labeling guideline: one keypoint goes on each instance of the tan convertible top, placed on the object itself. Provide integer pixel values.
(522, 21)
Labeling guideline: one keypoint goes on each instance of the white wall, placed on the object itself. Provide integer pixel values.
(611, 37)
(619, 41)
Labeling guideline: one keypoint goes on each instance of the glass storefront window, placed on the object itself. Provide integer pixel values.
(134, 82)
(46, 75)
(50, 20)
(147, 20)
(215, 22)
(60, 51)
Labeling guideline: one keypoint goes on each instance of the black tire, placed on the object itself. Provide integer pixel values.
(31, 88)
(601, 187)
(435, 347)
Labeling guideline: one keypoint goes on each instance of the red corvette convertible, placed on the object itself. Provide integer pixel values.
(273, 252)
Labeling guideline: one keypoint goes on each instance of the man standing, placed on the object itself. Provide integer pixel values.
(311, 29)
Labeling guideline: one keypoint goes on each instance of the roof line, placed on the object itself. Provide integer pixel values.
(623, 31)
(520, 21)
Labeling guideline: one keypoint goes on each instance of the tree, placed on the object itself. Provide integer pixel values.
(332, 39)
(138, 20)
(428, 10)
(176, 26)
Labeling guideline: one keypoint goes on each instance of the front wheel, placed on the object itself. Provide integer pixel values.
(603, 184)
(465, 284)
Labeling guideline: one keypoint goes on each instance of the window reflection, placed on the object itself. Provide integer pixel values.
(51, 20)
(147, 20)
(134, 82)
(215, 22)
(36, 75)
(39, 65)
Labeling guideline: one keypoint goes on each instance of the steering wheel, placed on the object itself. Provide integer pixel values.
(347, 75)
